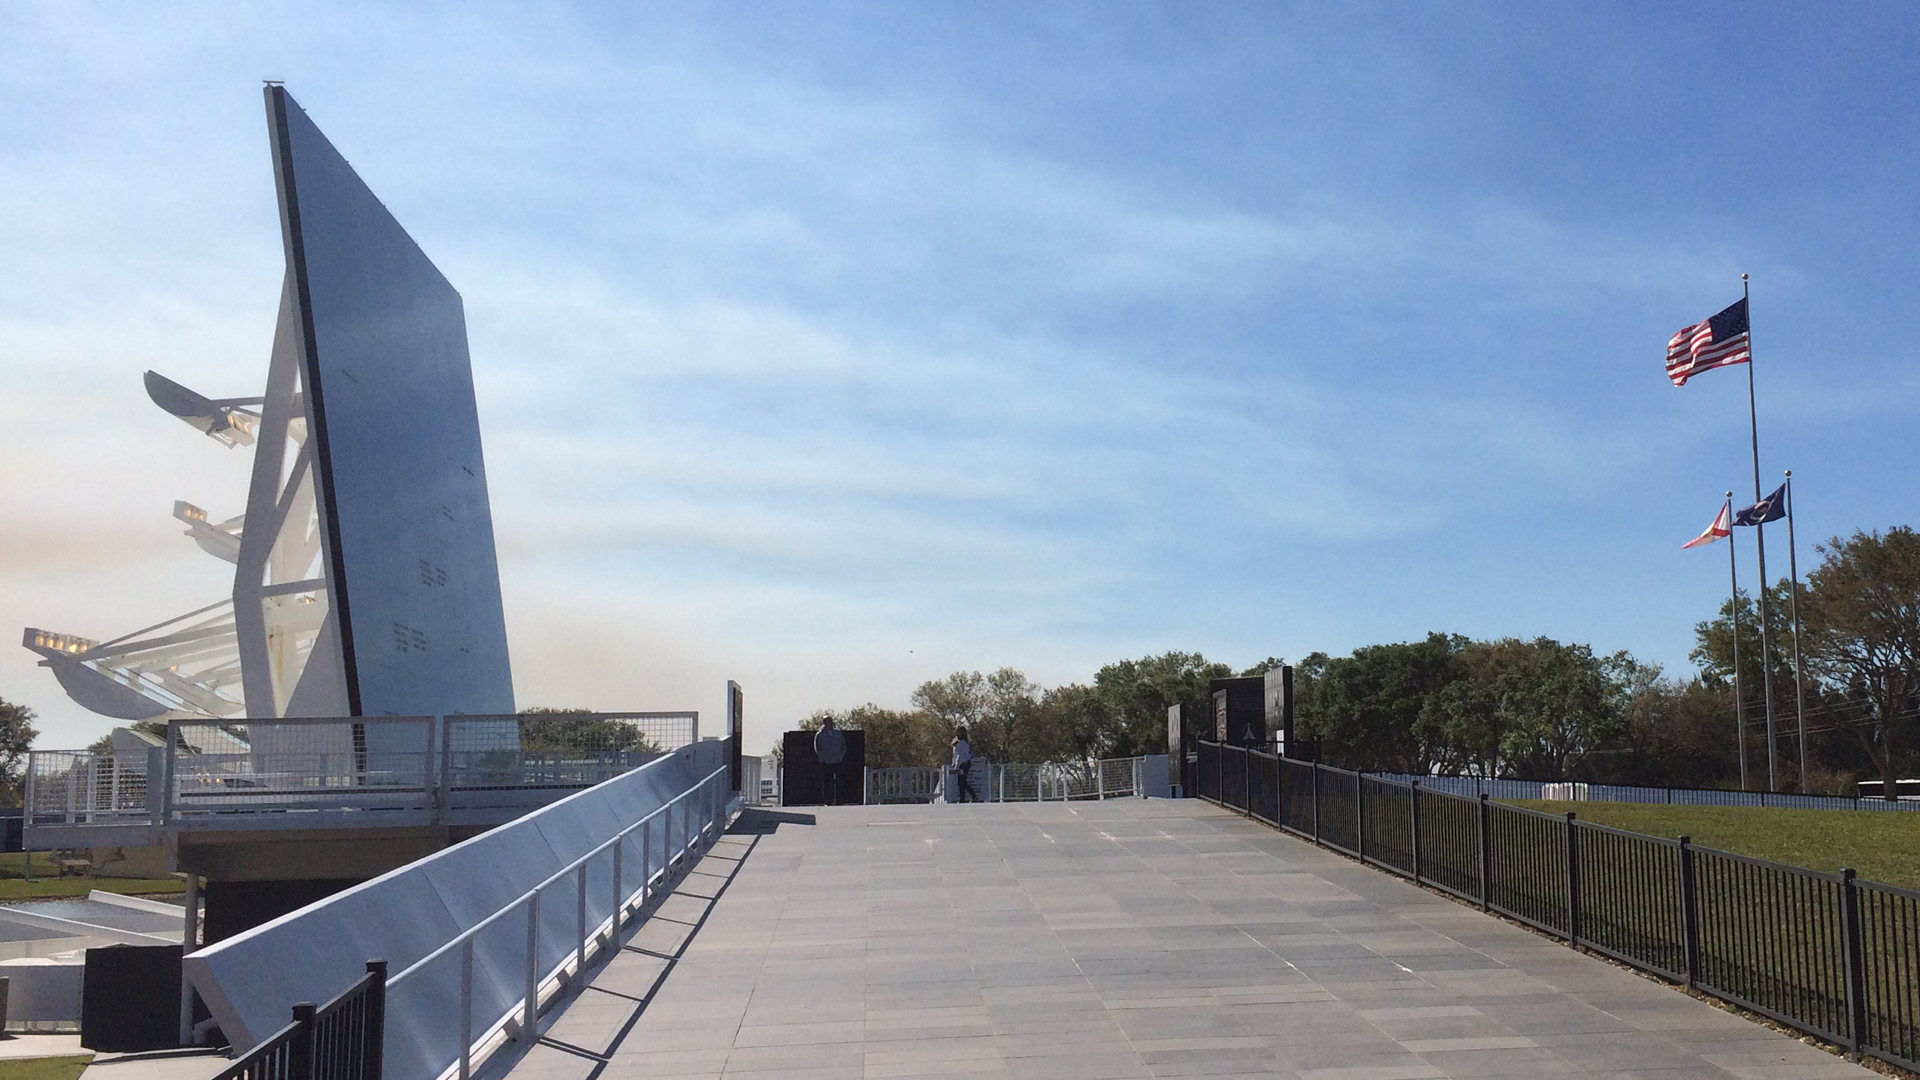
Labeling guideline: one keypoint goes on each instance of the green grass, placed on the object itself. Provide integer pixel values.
(1880, 846)
(47, 1068)
(49, 885)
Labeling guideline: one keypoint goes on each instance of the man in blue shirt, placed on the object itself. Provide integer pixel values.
(830, 746)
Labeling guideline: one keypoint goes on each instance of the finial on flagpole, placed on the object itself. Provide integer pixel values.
(1789, 474)
(1743, 277)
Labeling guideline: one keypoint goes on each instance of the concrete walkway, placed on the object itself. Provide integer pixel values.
(1130, 938)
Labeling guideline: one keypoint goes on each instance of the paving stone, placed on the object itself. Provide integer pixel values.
(1104, 941)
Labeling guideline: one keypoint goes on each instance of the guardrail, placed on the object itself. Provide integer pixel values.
(1053, 781)
(1581, 791)
(297, 772)
(485, 933)
(341, 1040)
(708, 799)
(1824, 953)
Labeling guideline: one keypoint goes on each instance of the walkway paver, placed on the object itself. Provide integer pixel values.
(1087, 941)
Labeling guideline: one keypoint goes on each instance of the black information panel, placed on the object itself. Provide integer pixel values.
(390, 392)
(803, 777)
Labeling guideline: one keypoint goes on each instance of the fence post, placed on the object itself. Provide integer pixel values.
(1413, 811)
(1360, 813)
(1315, 763)
(300, 1049)
(466, 1010)
(373, 1052)
(1486, 853)
(1855, 962)
(1573, 881)
(1689, 915)
(619, 886)
(531, 1016)
(580, 892)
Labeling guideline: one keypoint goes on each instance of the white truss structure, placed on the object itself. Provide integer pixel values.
(272, 649)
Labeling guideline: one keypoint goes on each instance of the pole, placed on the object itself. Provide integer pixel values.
(1799, 683)
(1760, 540)
(1739, 701)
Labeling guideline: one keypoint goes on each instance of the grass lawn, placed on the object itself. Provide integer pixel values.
(49, 1068)
(1880, 846)
(49, 885)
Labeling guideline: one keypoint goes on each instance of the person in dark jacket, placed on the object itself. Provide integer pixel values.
(963, 767)
(830, 746)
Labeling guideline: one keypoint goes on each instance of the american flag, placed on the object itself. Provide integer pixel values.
(1719, 341)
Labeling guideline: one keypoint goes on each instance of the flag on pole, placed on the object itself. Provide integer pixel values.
(1718, 342)
(1771, 508)
(1720, 528)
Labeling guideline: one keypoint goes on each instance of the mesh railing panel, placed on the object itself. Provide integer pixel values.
(78, 787)
(370, 763)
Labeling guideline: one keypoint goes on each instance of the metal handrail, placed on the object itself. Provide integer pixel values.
(529, 1006)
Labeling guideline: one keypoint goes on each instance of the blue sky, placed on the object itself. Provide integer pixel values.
(834, 347)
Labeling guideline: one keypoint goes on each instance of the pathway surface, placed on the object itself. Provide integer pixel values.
(1130, 938)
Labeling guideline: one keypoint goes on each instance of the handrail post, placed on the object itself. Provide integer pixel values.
(1246, 781)
(1360, 813)
(300, 1048)
(466, 1010)
(1486, 853)
(646, 861)
(373, 1052)
(619, 891)
(1573, 881)
(530, 1017)
(1689, 915)
(1855, 954)
(1315, 764)
(580, 893)
(1413, 812)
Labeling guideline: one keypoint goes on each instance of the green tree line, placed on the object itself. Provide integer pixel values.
(1540, 708)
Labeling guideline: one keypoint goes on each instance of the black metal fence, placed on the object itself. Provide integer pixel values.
(341, 1040)
(1825, 953)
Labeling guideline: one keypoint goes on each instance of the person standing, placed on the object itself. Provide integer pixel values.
(963, 766)
(830, 746)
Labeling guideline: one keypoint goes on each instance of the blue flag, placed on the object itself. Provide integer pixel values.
(1771, 508)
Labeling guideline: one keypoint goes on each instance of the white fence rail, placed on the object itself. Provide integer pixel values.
(298, 772)
(1055, 781)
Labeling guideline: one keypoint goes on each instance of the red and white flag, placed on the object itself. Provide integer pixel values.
(1722, 527)
(1717, 342)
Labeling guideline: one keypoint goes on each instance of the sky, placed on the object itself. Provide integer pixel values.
(834, 347)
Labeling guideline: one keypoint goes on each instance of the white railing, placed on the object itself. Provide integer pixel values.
(1054, 781)
(909, 785)
(309, 772)
(703, 812)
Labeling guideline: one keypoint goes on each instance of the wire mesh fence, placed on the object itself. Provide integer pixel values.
(82, 786)
(470, 767)
(1825, 953)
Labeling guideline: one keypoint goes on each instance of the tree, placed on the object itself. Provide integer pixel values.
(1555, 704)
(16, 738)
(1863, 621)
(1380, 708)
(1137, 694)
(578, 731)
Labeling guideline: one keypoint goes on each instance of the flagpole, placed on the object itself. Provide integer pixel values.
(1799, 683)
(1739, 702)
(1760, 539)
